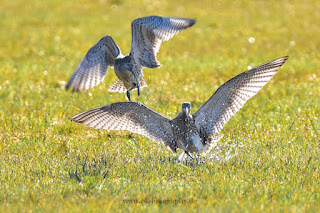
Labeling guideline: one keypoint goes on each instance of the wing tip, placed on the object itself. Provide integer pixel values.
(67, 87)
(74, 118)
(70, 82)
(77, 119)
(280, 61)
(192, 22)
(274, 64)
(73, 89)
(285, 58)
(188, 22)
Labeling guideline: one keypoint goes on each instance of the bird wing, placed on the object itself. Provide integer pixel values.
(94, 66)
(129, 116)
(149, 32)
(232, 95)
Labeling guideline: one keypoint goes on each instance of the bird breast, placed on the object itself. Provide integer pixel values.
(191, 144)
(186, 135)
(124, 68)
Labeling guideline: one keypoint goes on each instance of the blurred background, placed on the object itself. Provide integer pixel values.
(42, 42)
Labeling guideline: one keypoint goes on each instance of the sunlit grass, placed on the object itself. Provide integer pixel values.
(50, 163)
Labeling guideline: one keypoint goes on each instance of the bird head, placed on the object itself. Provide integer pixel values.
(186, 109)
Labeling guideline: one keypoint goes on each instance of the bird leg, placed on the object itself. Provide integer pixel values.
(138, 87)
(128, 92)
(188, 154)
(185, 156)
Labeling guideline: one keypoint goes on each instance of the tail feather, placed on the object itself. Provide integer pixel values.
(143, 83)
(119, 86)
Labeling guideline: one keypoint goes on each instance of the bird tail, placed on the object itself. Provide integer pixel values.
(143, 83)
(119, 86)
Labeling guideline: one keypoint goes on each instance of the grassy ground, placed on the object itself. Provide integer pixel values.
(48, 163)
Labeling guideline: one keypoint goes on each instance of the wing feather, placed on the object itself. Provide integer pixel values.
(129, 116)
(232, 95)
(94, 66)
(149, 32)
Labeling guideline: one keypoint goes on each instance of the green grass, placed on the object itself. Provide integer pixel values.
(48, 163)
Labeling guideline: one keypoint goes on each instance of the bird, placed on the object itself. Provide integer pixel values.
(147, 35)
(195, 134)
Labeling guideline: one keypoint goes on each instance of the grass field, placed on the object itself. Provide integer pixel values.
(267, 161)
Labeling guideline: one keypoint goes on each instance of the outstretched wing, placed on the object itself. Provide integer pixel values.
(149, 32)
(129, 116)
(232, 95)
(94, 66)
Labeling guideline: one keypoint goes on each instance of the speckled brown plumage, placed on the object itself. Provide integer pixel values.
(196, 133)
(147, 35)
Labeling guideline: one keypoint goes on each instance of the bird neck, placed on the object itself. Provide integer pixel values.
(185, 115)
(123, 59)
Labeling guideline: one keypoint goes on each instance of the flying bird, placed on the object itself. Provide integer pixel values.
(197, 133)
(147, 35)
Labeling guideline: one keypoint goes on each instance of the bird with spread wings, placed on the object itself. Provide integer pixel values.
(197, 133)
(147, 35)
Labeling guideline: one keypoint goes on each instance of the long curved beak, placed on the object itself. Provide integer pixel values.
(187, 112)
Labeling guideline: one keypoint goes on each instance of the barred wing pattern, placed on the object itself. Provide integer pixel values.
(149, 32)
(129, 116)
(119, 86)
(232, 95)
(94, 66)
